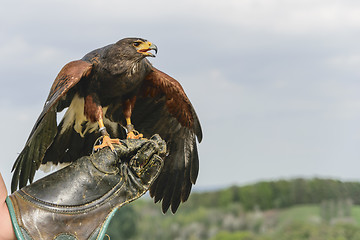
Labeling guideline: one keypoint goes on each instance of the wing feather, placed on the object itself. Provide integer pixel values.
(162, 107)
(45, 127)
(67, 78)
(178, 104)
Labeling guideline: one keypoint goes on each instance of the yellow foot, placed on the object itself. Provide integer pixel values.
(134, 135)
(107, 142)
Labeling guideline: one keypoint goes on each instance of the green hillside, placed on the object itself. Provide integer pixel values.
(295, 209)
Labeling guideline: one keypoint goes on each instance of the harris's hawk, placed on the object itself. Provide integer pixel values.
(106, 93)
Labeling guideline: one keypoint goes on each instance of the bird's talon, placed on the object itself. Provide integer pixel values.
(134, 135)
(107, 142)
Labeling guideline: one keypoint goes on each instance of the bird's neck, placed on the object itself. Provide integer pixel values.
(141, 67)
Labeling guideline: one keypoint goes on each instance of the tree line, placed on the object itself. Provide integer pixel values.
(279, 194)
(240, 212)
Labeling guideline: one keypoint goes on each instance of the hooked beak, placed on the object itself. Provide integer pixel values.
(145, 47)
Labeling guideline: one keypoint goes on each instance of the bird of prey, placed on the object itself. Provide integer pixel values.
(110, 92)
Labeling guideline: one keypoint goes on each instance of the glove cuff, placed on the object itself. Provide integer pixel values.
(14, 222)
(21, 233)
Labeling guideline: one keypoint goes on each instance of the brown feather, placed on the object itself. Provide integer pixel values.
(178, 104)
(92, 109)
(69, 75)
(67, 78)
(128, 106)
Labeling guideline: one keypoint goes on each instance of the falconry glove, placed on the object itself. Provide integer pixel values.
(78, 201)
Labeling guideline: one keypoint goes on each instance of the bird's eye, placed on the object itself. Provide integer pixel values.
(136, 44)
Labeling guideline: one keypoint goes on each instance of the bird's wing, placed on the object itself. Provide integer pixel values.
(67, 78)
(162, 107)
(45, 127)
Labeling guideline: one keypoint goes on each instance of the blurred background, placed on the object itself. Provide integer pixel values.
(275, 83)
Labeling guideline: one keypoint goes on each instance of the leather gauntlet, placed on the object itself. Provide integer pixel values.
(78, 201)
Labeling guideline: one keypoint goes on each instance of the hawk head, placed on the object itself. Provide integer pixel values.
(134, 48)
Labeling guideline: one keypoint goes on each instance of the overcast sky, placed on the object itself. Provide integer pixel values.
(275, 83)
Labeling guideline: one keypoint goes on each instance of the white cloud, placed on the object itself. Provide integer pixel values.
(17, 48)
(347, 62)
(288, 17)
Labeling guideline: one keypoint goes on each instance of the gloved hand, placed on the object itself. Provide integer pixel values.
(78, 201)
